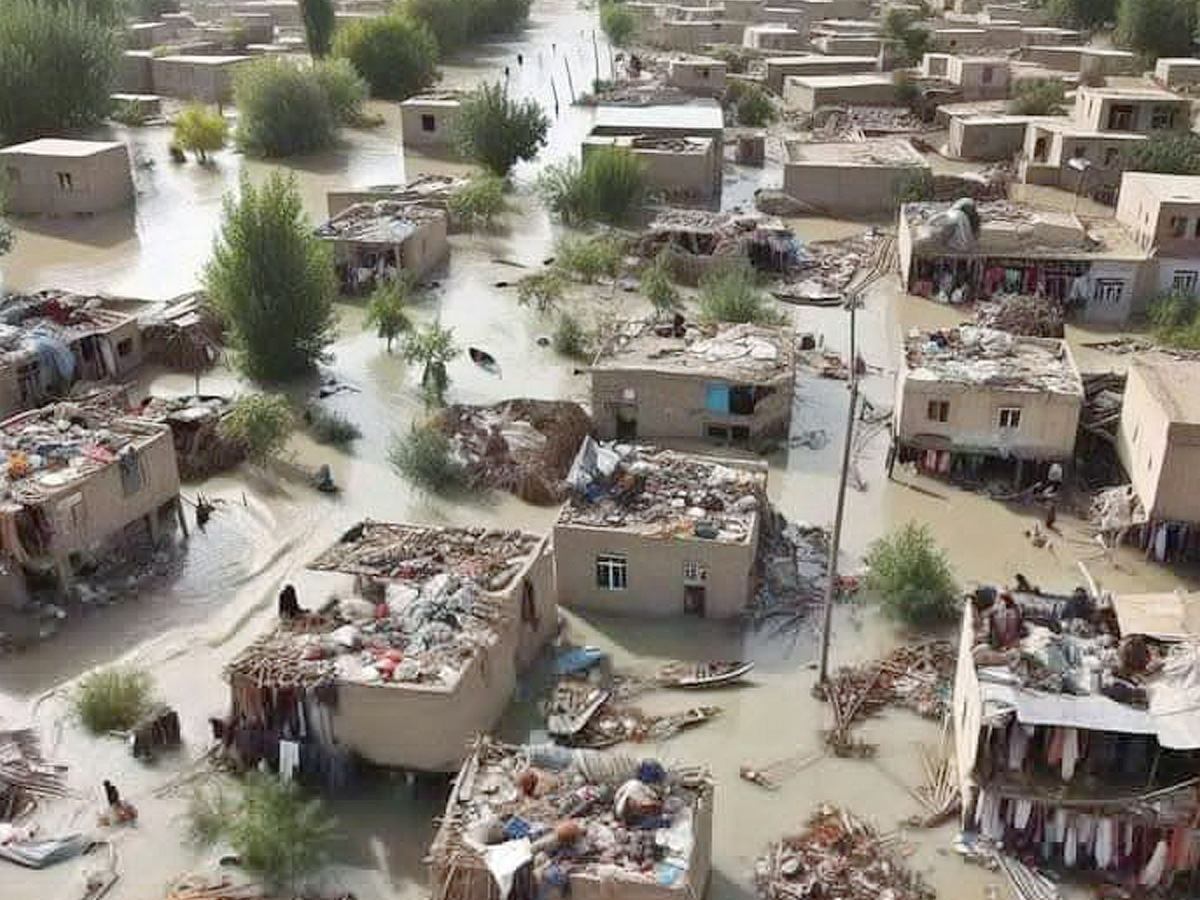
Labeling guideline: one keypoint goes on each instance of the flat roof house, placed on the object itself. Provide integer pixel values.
(376, 239)
(774, 37)
(656, 533)
(1178, 73)
(467, 609)
(702, 75)
(1162, 212)
(985, 137)
(53, 176)
(427, 121)
(1148, 110)
(852, 178)
(806, 93)
(676, 169)
(1073, 156)
(779, 67)
(205, 79)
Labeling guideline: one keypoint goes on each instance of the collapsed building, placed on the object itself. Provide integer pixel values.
(652, 532)
(407, 672)
(696, 242)
(377, 240)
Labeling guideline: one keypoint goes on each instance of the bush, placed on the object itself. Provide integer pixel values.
(915, 188)
(433, 348)
(128, 112)
(345, 91)
(387, 310)
(910, 41)
(272, 281)
(327, 426)
(1085, 14)
(477, 203)
(618, 23)
(912, 577)
(752, 106)
(276, 832)
(569, 338)
(320, 19)
(497, 132)
(730, 294)
(1168, 154)
(261, 423)
(589, 258)
(1155, 28)
(425, 458)
(657, 284)
(282, 108)
(57, 68)
(609, 187)
(456, 23)
(112, 699)
(1038, 97)
(396, 54)
(542, 290)
(907, 92)
(1176, 318)
(200, 130)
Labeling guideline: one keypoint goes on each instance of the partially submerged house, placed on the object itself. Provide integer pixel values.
(427, 120)
(54, 176)
(702, 75)
(203, 78)
(407, 673)
(676, 169)
(852, 178)
(966, 395)
(381, 239)
(656, 533)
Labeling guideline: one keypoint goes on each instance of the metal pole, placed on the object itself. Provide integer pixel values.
(570, 80)
(835, 543)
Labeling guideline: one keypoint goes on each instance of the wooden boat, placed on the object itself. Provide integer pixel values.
(484, 360)
(572, 708)
(704, 675)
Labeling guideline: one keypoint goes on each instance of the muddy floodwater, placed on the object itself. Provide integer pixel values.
(221, 593)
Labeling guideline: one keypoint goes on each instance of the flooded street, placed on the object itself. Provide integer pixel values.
(223, 592)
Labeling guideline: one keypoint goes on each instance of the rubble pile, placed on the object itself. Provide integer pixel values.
(971, 355)
(792, 567)
(1022, 314)
(696, 240)
(201, 449)
(1117, 508)
(185, 335)
(521, 446)
(836, 856)
(848, 123)
(826, 268)
(24, 775)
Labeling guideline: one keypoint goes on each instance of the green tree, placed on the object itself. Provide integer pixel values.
(569, 339)
(345, 90)
(1176, 320)
(457, 23)
(618, 23)
(152, 10)
(261, 423)
(478, 203)
(396, 54)
(1168, 154)
(755, 108)
(1082, 13)
(1038, 97)
(201, 130)
(424, 456)
(319, 21)
(1154, 28)
(496, 132)
(657, 285)
(542, 290)
(433, 348)
(112, 699)
(282, 109)
(587, 258)
(609, 187)
(272, 281)
(57, 68)
(730, 294)
(912, 577)
(910, 40)
(387, 310)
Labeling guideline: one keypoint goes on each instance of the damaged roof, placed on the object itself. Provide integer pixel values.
(989, 358)
(379, 222)
(743, 352)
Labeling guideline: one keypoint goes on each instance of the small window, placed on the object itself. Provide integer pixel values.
(717, 432)
(1179, 226)
(1196, 233)
(1080, 152)
(612, 572)
(1184, 281)
(628, 394)
(1010, 417)
(716, 398)
(694, 572)
(1162, 117)
(704, 73)
(64, 181)
(938, 411)
(1108, 290)
(125, 347)
(985, 75)
(428, 123)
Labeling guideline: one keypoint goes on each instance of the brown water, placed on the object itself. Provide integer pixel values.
(269, 527)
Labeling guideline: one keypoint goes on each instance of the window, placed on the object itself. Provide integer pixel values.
(1179, 226)
(125, 347)
(1162, 117)
(428, 123)
(1010, 417)
(612, 572)
(938, 411)
(1196, 233)
(64, 181)
(985, 75)
(628, 394)
(717, 432)
(1120, 117)
(704, 73)
(1184, 281)
(694, 572)
(716, 398)
(1111, 155)
(1108, 290)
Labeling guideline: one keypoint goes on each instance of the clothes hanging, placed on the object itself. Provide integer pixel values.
(289, 759)
(1156, 867)
(1070, 752)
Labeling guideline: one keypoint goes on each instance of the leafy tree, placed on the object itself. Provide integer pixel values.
(282, 109)
(609, 187)
(319, 21)
(589, 258)
(345, 90)
(569, 338)
(106, 12)
(261, 423)
(657, 285)
(1038, 97)
(910, 41)
(1155, 28)
(755, 108)
(396, 54)
(424, 456)
(457, 23)
(730, 294)
(1169, 154)
(1082, 13)
(57, 67)
(272, 281)
(201, 130)
(618, 23)
(433, 347)
(496, 132)
(477, 203)
(387, 309)
(542, 290)
(912, 577)
(112, 699)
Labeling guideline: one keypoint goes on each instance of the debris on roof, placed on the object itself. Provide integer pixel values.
(990, 358)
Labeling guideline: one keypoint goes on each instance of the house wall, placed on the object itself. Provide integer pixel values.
(743, 10)
(98, 183)
(147, 35)
(958, 39)
(1156, 222)
(412, 119)
(985, 141)
(1063, 59)
(1177, 72)
(758, 37)
(1175, 275)
(656, 585)
(192, 79)
(848, 45)
(800, 93)
(780, 67)
(967, 709)
(698, 77)
(1161, 458)
(1093, 111)
(695, 36)
(685, 175)
(135, 73)
(980, 80)
(850, 189)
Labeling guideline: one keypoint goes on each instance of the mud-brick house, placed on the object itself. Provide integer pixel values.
(852, 178)
(807, 93)
(966, 396)
(54, 176)
(656, 533)
(380, 239)
(724, 383)
(667, 858)
(205, 79)
(419, 658)
(675, 169)
(701, 75)
(77, 478)
(427, 121)
(1078, 734)
(1177, 73)
(1162, 212)
(779, 67)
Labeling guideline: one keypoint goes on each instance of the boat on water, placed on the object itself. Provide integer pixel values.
(484, 360)
(704, 675)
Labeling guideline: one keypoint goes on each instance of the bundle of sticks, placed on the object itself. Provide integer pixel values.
(24, 775)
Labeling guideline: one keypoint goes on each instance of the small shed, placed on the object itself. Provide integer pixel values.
(53, 176)
(427, 121)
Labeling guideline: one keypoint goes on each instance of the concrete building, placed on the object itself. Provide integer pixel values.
(727, 384)
(1162, 212)
(205, 79)
(695, 37)
(677, 169)
(779, 67)
(966, 395)
(807, 93)
(427, 121)
(1148, 110)
(1177, 73)
(372, 241)
(468, 609)
(852, 178)
(53, 176)
(987, 138)
(1062, 153)
(655, 533)
(1090, 61)
(774, 37)
(701, 75)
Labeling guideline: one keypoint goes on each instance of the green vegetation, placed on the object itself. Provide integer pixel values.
(425, 458)
(910, 41)
(1087, 14)
(587, 259)
(387, 310)
(201, 130)
(457, 23)
(261, 423)
(610, 187)
(748, 104)
(657, 285)
(542, 290)
(57, 68)
(479, 202)
(1176, 320)
(912, 577)
(915, 188)
(128, 112)
(1038, 97)
(272, 281)
(345, 91)
(112, 699)
(327, 426)
(569, 338)
(276, 832)
(1168, 154)
(396, 54)
(283, 109)
(1154, 28)
(149, 10)
(618, 23)
(320, 19)
(497, 132)
(731, 294)
(907, 92)
(433, 348)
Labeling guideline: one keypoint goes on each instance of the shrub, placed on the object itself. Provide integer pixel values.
(569, 338)
(1038, 97)
(912, 577)
(272, 281)
(1176, 318)
(907, 92)
(477, 203)
(149, 10)
(497, 132)
(320, 19)
(282, 109)
(327, 426)
(433, 348)
(1154, 28)
(425, 458)
(387, 310)
(112, 699)
(657, 285)
(618, 23)
(909, 40)
(542, 290)
(396, 54)
(1081, 13)
(754, 107)
(261, 423)
(128, 112)
(589, 258)
(730, 294)
(345, 91)
(456, 23)
(915, 188)
(1168, 154)
(609, 187)
(200, 130)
